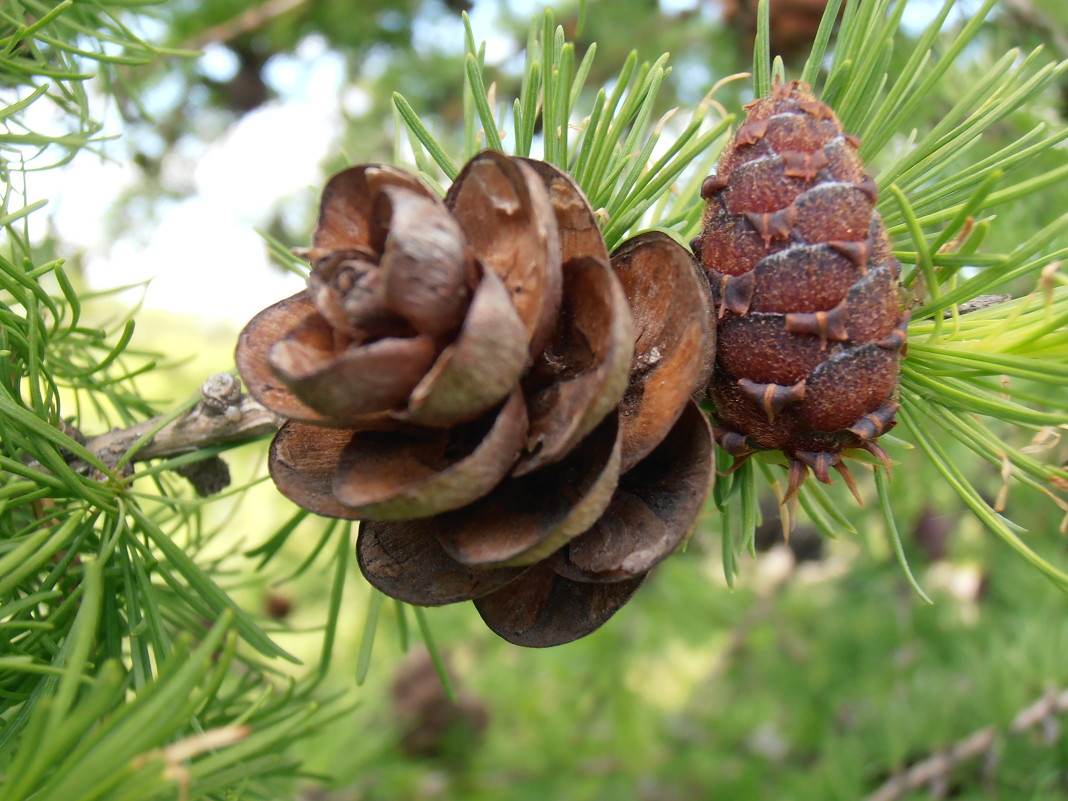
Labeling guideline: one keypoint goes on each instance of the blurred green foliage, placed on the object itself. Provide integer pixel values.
(815, 683)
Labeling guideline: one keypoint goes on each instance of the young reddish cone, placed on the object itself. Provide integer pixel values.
(808, 304)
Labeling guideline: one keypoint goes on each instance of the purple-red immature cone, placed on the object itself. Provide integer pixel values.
(508, 410)
(810, 325)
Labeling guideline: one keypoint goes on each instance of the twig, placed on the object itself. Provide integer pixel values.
(223, 416)
(935, 769)
(978, 304)
(1029, 16)
(1042, 712)
(250, 20)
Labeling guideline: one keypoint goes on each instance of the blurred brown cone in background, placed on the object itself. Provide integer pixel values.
(794, 23)
(430, 724)
(507, 409)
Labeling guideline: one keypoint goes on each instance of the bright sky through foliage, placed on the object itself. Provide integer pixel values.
(203, 255)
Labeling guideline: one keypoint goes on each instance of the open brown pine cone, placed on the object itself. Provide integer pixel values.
(506, 409)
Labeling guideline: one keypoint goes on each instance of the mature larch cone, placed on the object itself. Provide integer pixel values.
(808, 304)
(506, 409)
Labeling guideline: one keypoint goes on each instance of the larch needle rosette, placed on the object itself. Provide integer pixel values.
(811, 330)
(508, 410)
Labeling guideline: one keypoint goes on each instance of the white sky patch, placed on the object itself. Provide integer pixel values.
(78, 206)
(271, 152)
(918, 14)
(678, 6)
(202, 263)
(203, 256)
(356, 100)
(218, 63)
